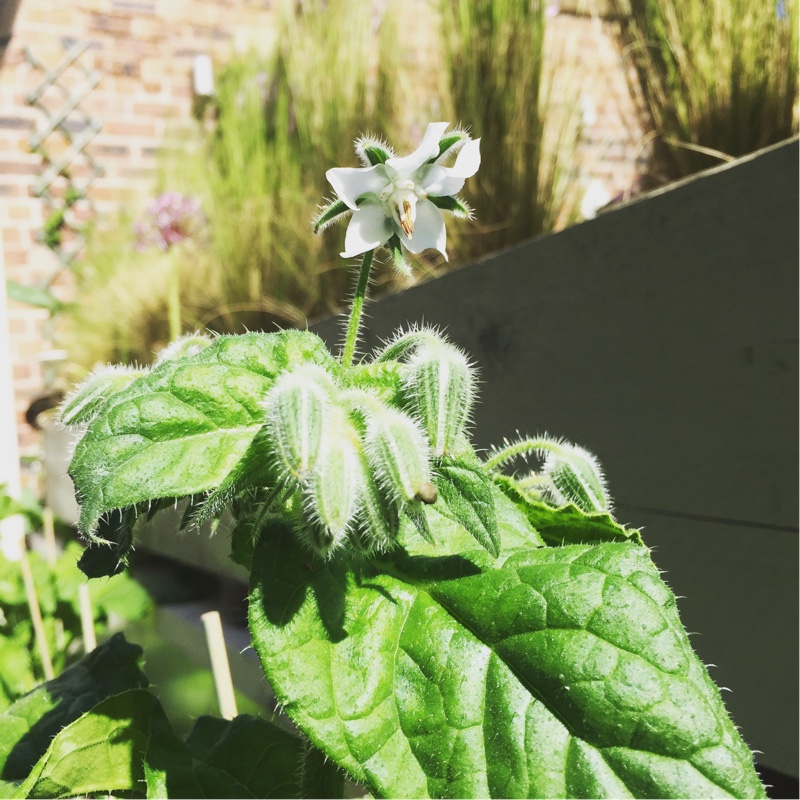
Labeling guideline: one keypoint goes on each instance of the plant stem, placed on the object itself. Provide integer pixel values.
(523, 447)
(354, 322)
(174, 300)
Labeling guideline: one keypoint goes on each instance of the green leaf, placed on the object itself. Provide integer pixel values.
(245, 757)
(109, 555)
(467, 492)
(566, 525)
(85, 402)
(16, 666)
(418, 515)
(255, 469)
(384, 379)
(182, 429)
(26, 505)
(122, 596)
(320, 777)
(452, 539)
(125, 744)
(103, 751)
(28, 725)
(251, 753)
(34, 296)
(563, 672)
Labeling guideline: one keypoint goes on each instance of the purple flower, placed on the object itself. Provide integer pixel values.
(169, 219)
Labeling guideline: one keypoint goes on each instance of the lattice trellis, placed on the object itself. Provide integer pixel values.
(68, 169)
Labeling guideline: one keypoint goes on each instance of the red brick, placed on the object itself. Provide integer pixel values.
(11, 236)
(113, 24)
(146, 129)
(154, 109)
(18, 326)
(22, 372)
(18, 168)
(14, 257)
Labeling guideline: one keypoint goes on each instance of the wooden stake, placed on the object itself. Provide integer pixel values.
(51, 556)
(49, 530)
(219, 664)
(36, 617)
(87, 618)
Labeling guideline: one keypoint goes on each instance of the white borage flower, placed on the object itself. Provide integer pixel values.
(396, 200)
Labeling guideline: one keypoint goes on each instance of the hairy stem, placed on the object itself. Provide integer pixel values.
(354, 322)
(523, 447)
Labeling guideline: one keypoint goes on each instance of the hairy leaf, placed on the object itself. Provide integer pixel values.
(182, 429)
(28, 725)
(452, 539)
(566, 525)
(260, 758)
(102, 751)
(467, 492)
(320, 776)
(126, 744)
(109, 555)
(561, 672)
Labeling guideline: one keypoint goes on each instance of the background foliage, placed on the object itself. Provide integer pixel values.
(714, 80)
(279, 123)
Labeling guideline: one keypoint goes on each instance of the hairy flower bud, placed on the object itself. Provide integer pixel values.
(576, 477)
(297, 409)
(189, 345)
(398, 453)
(440, 383)
(378, 518)
(317, 538)
(336, 481)
(84, 404)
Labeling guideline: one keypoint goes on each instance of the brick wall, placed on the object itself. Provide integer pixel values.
(145, 51)
(610, 153)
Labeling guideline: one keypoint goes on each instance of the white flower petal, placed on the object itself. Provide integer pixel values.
(369, 228)
(429, 230)
(441, 181)
(429, 148)
(350, 183)
(468, 159)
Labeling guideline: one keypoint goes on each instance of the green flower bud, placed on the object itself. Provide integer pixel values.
(575, 476)
(398, 453)
(378, 519)
(440, 384)
(336, 481)
(189, 345)
(297, 409)
(317, 538)
(84, 404)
